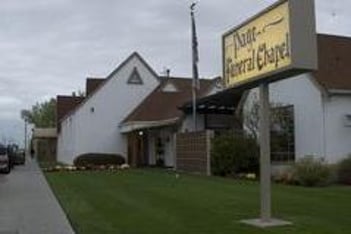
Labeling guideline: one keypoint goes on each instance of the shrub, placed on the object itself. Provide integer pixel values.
(310, 171)
(232, 154)
(344, 171)
(285, 177)
(96, 159)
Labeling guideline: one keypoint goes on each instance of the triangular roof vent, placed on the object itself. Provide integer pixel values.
(135, 78)
(169, 88)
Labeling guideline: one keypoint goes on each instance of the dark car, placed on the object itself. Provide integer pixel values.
(11, 152)
(19, 157)
(5, 165)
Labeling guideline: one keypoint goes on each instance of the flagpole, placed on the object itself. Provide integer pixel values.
(194, 107)
(195, 59)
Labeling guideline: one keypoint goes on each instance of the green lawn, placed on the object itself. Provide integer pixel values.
(156, 202)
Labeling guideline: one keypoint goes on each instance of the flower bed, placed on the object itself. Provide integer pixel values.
(69, 168)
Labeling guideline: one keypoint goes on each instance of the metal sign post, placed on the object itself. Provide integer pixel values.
(265, 151)
(265, 219)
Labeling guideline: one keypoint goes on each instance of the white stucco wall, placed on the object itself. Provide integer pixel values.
(338, 136)
(306, 98)
(308, 110)
(319, 119)
(98, 132)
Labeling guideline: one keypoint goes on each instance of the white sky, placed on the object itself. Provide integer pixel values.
(49, 47)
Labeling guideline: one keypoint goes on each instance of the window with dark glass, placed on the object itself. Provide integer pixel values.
(282, 134)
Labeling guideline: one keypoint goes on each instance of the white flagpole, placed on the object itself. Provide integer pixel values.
(195, 59)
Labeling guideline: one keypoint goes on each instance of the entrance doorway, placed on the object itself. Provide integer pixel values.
(138, 149)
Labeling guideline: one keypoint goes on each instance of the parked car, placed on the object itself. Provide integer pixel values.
(11, 152)
(19, 157)
(5, 166)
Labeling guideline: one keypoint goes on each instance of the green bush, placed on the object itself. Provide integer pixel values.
(344, 171)
(232, 154)
(310, 171)
(95, 159)
(285, 176)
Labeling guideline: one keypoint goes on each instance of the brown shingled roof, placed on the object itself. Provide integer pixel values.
(66, 104)
(334, 55)
(160, 105)
(92, 84)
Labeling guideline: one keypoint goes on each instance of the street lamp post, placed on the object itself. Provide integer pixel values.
(25, 135)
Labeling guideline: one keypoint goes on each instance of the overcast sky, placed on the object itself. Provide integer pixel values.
(49, 47)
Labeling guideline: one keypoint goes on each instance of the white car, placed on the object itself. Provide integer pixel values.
(4, 160)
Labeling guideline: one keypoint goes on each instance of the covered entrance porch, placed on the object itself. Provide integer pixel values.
(151, 144)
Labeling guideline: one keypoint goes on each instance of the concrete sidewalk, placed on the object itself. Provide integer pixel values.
(27, 204)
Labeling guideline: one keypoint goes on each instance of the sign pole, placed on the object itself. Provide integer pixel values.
(265, 219)
(265, 151)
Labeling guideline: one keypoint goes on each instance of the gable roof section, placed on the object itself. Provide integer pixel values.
(64, 105)
(134, 54)
(334, 62)
(92, 84)
(163, 106)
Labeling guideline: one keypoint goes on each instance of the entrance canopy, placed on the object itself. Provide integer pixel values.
(224, 102)
(139, 125)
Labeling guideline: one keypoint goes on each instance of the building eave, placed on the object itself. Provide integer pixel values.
(339, 92)
(140, 125)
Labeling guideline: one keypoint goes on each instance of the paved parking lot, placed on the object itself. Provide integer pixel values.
(27, 205)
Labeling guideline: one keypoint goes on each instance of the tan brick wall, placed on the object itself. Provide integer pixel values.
(193, 152)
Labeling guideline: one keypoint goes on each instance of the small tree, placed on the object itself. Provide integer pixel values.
(251, 117)
(281, 127)
(42, 115)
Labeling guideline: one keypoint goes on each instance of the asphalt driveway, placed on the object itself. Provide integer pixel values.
(27, 204)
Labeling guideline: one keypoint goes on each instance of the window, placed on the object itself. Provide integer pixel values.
(282, 134)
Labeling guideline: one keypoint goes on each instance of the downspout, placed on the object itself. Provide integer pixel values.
(325, 97)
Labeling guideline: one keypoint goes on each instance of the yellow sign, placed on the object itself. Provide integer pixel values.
(259, 47)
